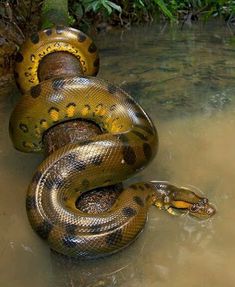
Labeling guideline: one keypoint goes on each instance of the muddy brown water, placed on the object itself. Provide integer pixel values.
(185, 80)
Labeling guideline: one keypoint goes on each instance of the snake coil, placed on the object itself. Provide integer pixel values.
(127, 144)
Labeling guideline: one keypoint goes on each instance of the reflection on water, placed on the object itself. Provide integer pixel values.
(185, 80)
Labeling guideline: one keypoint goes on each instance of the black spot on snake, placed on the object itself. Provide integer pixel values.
(57, 83)
(140, 115)
(96, 63)
(138, 200)
(32, 57)
(44, 229)
(71, 105)
(97, 160)
(146, 129)
(114, 238)
(95, 229)
(54, 182)
(71, 158)
(123, 138)
(147, 151)
(81, 37)
(35, 91)
(85, 183)
(35, 38)
(53, 109)
(141, 187)
(147, 185)
(80, 165)
(37, 175)
(88, 107)
(129, 155)
(24, 128)
(134, 186)
(58, 181)
(111, 89)
(113, 107)
(92, 48)
(59, 29)
(42, 121)
(49, 183)
(70, 228)
(48, 32)
(128, 211)
(130, 101)
(140, 135)
(97, 108)
(30, 202)
(24, 144)
(19, 57)
(69, 241)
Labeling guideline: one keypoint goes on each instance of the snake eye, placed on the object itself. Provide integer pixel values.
(204, 200)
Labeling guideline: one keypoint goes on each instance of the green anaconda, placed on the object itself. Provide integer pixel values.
(127, 144)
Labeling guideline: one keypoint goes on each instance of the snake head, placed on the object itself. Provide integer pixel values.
(202, 209)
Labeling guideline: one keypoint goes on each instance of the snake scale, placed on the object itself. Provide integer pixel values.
(127, 144)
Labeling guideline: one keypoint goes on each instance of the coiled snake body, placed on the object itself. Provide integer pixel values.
(127, 144)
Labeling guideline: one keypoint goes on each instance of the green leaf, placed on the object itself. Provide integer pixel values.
(107, 7)
(141, 3)
(164, 9)
(78, 10)
(91, 5)
(114, 6)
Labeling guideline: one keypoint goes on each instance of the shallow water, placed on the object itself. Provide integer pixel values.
(185, 80)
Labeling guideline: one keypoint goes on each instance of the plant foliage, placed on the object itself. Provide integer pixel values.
(126, 12)
(101, 13)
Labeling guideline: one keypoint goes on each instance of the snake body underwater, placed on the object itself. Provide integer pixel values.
(128, 142)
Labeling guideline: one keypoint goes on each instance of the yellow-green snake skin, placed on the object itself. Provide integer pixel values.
(128, 143)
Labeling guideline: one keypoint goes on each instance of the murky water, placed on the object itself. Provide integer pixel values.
(185, 79)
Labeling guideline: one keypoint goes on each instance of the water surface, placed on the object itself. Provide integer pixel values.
(185, 80)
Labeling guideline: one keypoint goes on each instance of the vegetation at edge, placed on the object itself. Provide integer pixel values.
(125, 13)
(106, 13)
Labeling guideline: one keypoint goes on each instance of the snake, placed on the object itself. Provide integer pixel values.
(128, 142)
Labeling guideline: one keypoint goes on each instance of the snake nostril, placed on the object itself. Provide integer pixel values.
(194, 208)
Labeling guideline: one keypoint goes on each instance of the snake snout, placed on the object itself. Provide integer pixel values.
(202, 209)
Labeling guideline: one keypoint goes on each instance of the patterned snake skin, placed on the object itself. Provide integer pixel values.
(127, 144)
